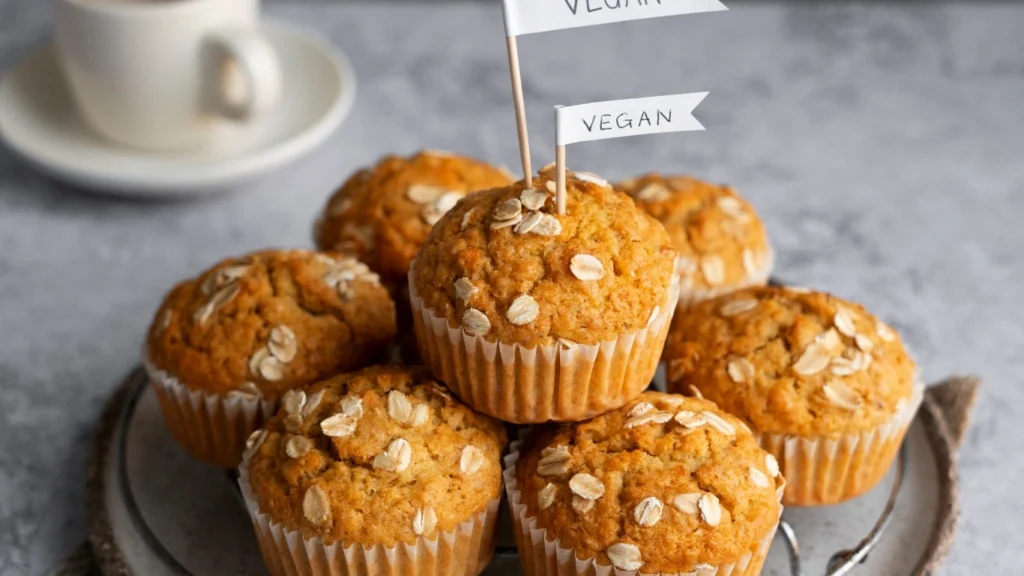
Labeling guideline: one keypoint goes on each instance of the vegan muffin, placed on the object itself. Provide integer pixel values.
(383, 213)
(664, 485)
(829, 388)
(531, 316)
(722, 243)
(378, 459)
(225, 346)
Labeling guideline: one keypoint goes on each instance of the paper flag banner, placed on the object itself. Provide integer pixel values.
(532, 16)
(633, 117)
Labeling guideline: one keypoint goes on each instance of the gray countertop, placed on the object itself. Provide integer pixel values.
(881, 145)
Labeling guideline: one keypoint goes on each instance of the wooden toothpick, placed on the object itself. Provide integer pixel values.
(560, 179)
(517, 98)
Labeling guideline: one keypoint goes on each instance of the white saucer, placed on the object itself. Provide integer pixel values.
(39, 122)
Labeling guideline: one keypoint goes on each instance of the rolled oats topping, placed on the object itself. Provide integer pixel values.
(339, 426)
(655, 417)
(583, 505)
(475, 322)
(548, 225)
(255, 440)
(533, 199)
(396, 458)
(687, 503)
(713, 269)
(420, 415)
(508, 209)
(282, 344)
(710, 509)
(591, 178)
(352, 406)
(586, 267)
(586, 486)
(653, 192)
(740, 370)
(719, 423)
(760, 479)
(648, 511)
(423, 194)
(471, 460)
(844, 322)
(546, 496)
(640, 408)
(625, 556)
(316, 507)
(528, 223)
(554, 461)
(523, 310)
(293, 401)
(464, 289)
(298, 446)
(424, 522)
(399, 407)
(841, 395)
(735, 307)
(499, 224)
(884, 332)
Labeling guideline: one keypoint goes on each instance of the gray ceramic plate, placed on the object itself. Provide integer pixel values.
(154, 511)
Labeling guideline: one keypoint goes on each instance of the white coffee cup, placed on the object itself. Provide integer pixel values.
(165, 74)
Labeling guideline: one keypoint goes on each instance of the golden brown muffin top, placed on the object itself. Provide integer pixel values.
(383, 455)
(719, 236)
(271, 321)
(503, 264)
(662, 485)
(791, 361)
(382, 214)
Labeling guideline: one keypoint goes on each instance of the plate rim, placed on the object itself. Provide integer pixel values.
(231, 171)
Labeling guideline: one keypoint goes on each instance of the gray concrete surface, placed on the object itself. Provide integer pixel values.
(882, 146)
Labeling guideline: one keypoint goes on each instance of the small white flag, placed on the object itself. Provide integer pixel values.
(633, 117)
(532, 16)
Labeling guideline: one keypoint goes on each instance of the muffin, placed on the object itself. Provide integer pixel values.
(375, 472)
(226, 345)
(529, 316)
(665, 485)
(722, 243)
(829, 388)
(382, 214)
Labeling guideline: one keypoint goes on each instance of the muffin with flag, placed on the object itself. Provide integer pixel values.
(529, 315)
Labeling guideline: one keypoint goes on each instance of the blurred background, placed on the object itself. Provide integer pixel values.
(881, 143)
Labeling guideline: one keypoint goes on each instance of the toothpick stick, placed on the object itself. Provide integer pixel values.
(517, 97)
(560, 179)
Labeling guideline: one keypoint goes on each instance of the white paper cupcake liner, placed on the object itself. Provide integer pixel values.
(544, 555)
(688, 296)
(465, 551)
(823, 470)
(211, 427)
(532, 385)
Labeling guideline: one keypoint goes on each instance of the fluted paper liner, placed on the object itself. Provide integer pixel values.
(465, 551)
(690, 296)
(532, 385)
(544, 555)
(211, 427)
(824, 470)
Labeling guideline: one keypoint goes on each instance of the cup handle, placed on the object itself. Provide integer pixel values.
(247, 81)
